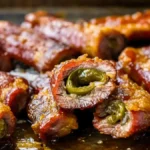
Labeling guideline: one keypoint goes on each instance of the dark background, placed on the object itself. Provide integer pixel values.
(37, 3)
(15, 10)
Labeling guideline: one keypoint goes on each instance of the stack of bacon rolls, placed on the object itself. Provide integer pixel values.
(117, 91)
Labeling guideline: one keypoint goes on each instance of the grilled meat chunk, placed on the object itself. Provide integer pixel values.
(32, 48)
(82, 83)
(91, 39)
(13, 92)
(126, 112)
(136, 63)
(49, 120)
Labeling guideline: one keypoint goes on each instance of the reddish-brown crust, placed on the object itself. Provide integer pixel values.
(88, 38)
(134, 27)
(135, 62)
(61, 72)
(49, 121)
(9, 118)
(5, 62)
(13, 92)
(32, 48)
(6, 28)
(140, 121)
(137, 103)
(54, 127)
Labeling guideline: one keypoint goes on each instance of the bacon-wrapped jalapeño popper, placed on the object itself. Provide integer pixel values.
(82, 83)
(7, 121)
(49, 121)
(13, 92)
(134, 27)
(136, 63)
(91, 39)
(126, 112)
(33, 49)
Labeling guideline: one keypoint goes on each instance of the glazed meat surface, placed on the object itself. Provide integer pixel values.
(49, 121)
(32, 48)
(13, 92)
(87, 38)
(136, 63)
(6, 28)
(126, 112)
(134, 27)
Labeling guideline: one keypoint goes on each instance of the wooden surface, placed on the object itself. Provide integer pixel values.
(37, 3)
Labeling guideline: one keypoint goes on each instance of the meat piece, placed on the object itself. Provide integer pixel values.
(126, 112)
(136, 63)
(91, 39)
(49, 121)
(82, 83)
(7, 28)
(7, 121)
(5, 62)
(32, 48)
(13, 92)
(134, 27)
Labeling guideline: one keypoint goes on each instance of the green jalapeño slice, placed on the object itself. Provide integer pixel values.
(116, 111)
(81, 81)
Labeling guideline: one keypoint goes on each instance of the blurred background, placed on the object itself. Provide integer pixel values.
(14, 10)
(39, 3)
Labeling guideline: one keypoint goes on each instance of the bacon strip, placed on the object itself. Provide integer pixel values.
(134, 27)
(13, 92)
(49, 121)
(32, 48)
(136, 63)
(137, 115)
(6, 28)
(91, 39)
(100, 92)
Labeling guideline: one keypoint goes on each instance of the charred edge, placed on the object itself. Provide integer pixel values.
(111, 46)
